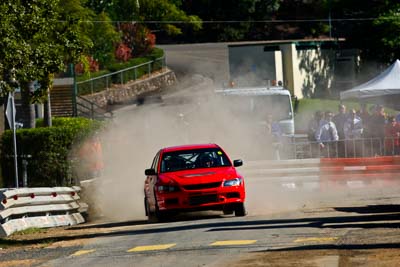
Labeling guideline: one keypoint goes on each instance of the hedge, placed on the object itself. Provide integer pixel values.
(49, 150)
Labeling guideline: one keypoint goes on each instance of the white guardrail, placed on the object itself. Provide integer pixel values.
(40, 207)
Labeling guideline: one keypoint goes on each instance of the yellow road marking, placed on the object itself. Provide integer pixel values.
(315, 239)
(233, 242)
(83, 252)
(154, 247)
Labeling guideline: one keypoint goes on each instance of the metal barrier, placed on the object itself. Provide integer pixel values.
(119, 77)
(40, 207)
(89, 109)
(354, 148)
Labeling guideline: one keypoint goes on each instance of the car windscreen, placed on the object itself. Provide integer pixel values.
(193, 159)
(259, 106)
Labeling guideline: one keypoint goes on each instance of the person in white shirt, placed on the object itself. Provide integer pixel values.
(327, 135)
(353, 130)
(353, 127)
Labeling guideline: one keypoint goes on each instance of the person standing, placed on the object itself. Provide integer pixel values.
(339, 120)
(392, 137)
(327, 136)
(365, 117)
(353, 129)
(313, 124)
(377, 131)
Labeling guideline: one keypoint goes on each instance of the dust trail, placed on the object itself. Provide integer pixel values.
(190, 115)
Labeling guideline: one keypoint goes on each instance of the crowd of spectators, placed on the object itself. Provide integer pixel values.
(355, 133)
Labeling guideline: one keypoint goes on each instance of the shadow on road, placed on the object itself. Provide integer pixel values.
(371, 209)
(388, 220)
(337, 247)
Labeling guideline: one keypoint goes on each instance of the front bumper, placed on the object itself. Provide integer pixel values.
(200, 199)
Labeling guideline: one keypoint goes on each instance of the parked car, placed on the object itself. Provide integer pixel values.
(193, 178)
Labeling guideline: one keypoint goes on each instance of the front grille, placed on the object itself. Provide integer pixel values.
(202, 199)
(233, 195)
(202, 186)
(171, 201)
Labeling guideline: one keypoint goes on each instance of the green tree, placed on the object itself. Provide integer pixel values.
(371, 26)
(160, 14)
(104, 37)
(36, 43)
(388, 28)
(230, 20)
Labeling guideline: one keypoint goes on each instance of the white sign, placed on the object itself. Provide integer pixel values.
(10, 111)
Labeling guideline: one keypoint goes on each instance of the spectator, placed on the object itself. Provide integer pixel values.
(313, 124)
(392, 137)
(365, 117)
(398, 118)
(353, 129)
(339, 120)
(327, 135)
(377, 129)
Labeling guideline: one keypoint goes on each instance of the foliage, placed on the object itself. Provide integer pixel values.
(87, 64)
(38, 39)
(372, 36)
(118, 10)
(163, 11)
(234, 20)
(98, 85)
(388, 25)
(105, 37)
(49, 148)
(34, 34)
(123, 52)
(138, 38)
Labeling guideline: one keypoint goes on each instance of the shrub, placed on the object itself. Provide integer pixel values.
(123, 52)
(49, 150)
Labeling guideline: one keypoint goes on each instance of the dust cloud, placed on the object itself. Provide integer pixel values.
(185, 116)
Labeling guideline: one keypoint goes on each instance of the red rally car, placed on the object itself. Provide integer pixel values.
(193, 178)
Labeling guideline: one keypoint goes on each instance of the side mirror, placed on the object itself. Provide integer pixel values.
(149, 172)
(237, 163)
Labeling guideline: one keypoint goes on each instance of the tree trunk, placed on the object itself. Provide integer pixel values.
(27, 109)
(47, 111)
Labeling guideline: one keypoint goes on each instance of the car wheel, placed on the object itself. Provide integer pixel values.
(154, 216)
(227, 210)
(240, 210)
(146, 208)
(151, 215)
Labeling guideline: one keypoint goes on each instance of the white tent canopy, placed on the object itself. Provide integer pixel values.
(385, 88)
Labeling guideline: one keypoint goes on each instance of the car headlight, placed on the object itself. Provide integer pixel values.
(233, 182)
(167, 188)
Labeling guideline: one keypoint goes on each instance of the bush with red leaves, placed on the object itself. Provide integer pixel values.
(123, 52)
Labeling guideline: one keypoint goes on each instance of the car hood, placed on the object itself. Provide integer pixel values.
(201, 176)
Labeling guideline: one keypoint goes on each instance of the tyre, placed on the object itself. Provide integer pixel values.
(151, 215)
(228, 210)
(154, 216)
(240, 210)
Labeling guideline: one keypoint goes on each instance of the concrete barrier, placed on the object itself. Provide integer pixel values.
(40, 207)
